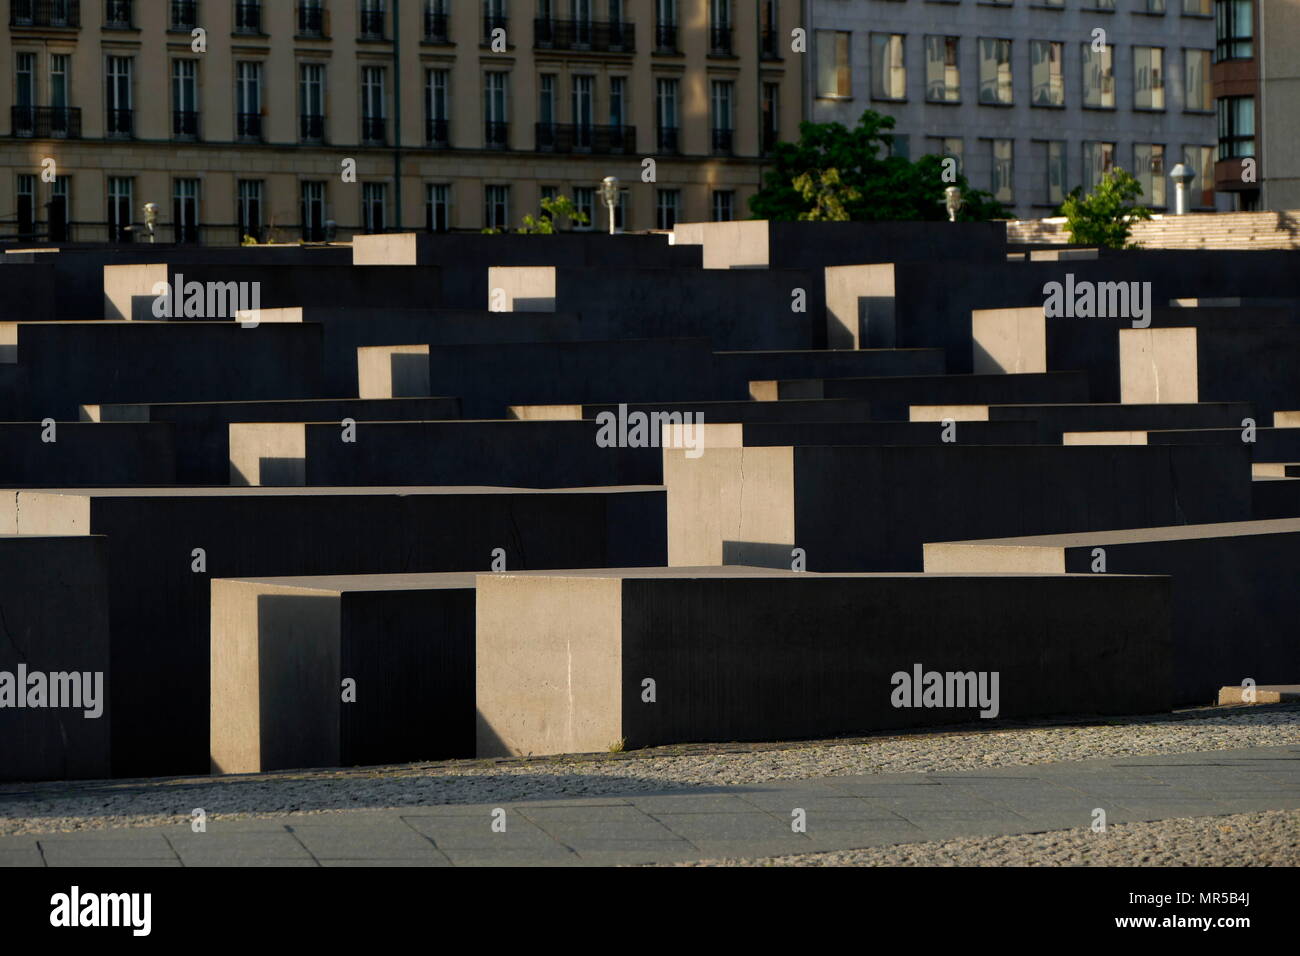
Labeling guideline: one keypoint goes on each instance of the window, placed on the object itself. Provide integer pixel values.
(942, 74)
(947, 147)
(1149, 170)
(374, 199)
(185, 99)
(24, 121)
(581, 101)
(1236, 127)
(313, 211)
(1148, 78)
(721, 118)
(248, 208)
(59, 81)
(584, 201)
(771, 117)
(667, 202)
(60, 209)
(1155, 6)
(1103, 4)
(496, 132)
(995, 71)
(311, 102)
(372, 19)
(26, 203)
(117, 14)
(900, 145)
(496, 212)
(437, 207)
(373, 125)
(1099, 77)
(119, 96)
(1234, 33)
(119, 208)
(833, 78)
(546, 99)
(769, 30)
(1047, 73)
(1056, 171)
(248, 16)
(724, 205)
(184, 15)
(311, 18)
(720, 27)
(436, 84)
(1196, 8)
(617, 101)
(248, 100)
(888, 72)
(666, 26)
(1098, 160)
(1000, 182)
(666, 114)
(1200, 89)
(1201, 160)
(185, 210)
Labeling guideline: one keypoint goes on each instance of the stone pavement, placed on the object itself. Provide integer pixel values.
(842, 812)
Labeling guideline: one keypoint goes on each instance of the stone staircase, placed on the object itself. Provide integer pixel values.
(1229, 230)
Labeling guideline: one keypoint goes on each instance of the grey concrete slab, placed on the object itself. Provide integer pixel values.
(69, 453)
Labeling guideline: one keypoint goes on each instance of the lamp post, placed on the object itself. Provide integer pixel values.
(953, 200)
(609, 192)
(1181, 175)
(150, 217)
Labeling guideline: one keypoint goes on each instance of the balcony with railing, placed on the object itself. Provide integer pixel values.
(769, 46)
(723, 142)
(581, 138)
(184, 15)
(437, 133)
(248, 16)
(437, 27)
(598, 36)
(248, 127)
(120, 123)
(311, 128)
(372, 24)
(720, 41)
(496, 135)
(311, 20)
(667, 140)
(45, 13)
(46, 122)
(374, 131)
(118, 15)
(185, 124)
(666, 38)
(491, 23)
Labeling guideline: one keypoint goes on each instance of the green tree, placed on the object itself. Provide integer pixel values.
(553, 208)
(865, 181)
(1105, 216)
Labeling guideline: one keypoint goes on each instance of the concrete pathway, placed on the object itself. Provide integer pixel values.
(843, 812)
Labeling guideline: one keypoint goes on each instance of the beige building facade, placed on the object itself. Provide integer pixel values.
(288, 119)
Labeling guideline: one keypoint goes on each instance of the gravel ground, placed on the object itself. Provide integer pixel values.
(1270, 838)
(43, 808)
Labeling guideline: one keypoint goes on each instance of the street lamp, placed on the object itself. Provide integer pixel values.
(609, 192)
(1181, 175)
(953, 200)
(150, 217)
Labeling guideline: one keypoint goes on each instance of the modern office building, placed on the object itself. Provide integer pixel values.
(245, 118)
(1032, 97)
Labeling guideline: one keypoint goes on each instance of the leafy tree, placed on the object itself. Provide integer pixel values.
(1105, 216)
(553, 208)
(834, 169)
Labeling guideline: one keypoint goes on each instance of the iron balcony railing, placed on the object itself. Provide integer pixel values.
(491, 23)
(117, 14)
(723, 141)
(311, 20)
(121, 122)
(185, 124)
(437, 27)
(720, 40)
(46, 122)
(248, 126)
(666, 38)
(372, 24)
(437, 132)
(667, 139)
(45, 13)
(579, 138)
(604, 36)
(248, 16)
(311, 128)
(496, 135)
(374, 130)
(184, 14)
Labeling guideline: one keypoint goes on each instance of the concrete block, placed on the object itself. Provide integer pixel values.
(532, 454)
(55, 651)
(63, 454)
(201, 429)
(563, 658)
(871, 508)
(282, 649)
(892, 397)
(1055, 421)
(159, 598)
(1223, 574)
